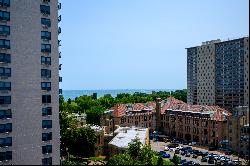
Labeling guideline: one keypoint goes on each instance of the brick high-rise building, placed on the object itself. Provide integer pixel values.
(217, 73)
(29, 82)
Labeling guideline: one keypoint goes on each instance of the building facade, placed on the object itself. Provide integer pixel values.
(218, 71)
(29, 82)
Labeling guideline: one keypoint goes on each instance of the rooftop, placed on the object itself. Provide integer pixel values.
(127, 134)
(216, 113)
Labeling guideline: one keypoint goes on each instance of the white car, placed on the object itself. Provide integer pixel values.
(166, 148)
(179, 147)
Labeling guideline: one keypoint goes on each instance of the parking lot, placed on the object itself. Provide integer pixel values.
(160, 146)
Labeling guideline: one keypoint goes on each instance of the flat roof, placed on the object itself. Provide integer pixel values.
(127, 134)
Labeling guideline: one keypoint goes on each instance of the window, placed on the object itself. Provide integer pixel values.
(4, 16)
(44, 73)
(46, 86)
(5, 155)
(4, 58)
(5, 86)
(47, 149)
(5, 128)
(60, 92)
(5, 72)
(47, 111)
(6, 141)
(47, 124)
(5, 100)
(46, 22)
(46, 98)
(46, 48)
(46, 136)
(4, 30)
(45, 9)
(46, 60)
(5, 114)
(46, 35)
(47, 161)
(5, 3)
(4, 44)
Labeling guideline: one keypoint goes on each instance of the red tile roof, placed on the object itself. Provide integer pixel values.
(170, 103)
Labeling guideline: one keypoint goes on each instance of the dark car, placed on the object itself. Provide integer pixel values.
(183, 161)
(195, 156)
(211, 161)
(162, 152)
(177, 151)
(196, 152)
(204, 159)
(204, 154)
(190, 162)
(211, 148)
(183, 153)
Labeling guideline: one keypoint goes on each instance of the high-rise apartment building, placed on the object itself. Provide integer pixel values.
(29, 82)
(217, 73)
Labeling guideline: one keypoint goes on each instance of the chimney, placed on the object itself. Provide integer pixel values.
(158, 114)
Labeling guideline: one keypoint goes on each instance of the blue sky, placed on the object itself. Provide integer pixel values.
(140, 44)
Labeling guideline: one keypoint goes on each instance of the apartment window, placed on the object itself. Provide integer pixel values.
(60, 92)
(5, 58)
(44, 73)
(47, 111)
(4, 16)
(46, 60)
(47, 161)
(46, 136)
(5, 100)
(5, 3)
(46, 35)
(46, 1)
(45, 9)
(4, 44)
(47, 124)
(5, 114)
(46, 98)
(46, 86)
(45, 48)
(47, 149)
(4, 128)
(4, 30)
(6, 141)
(5, 155)
(46, 22)
(5, 86)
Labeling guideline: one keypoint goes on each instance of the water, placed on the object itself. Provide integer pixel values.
(72, 94)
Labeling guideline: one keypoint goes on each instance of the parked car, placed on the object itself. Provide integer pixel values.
(204, 159)
(166, 148)
(228, 152)
(210, 161)
(190, 162)
(183, 153)
(194, 156)
(196, 152)
(238, 162)
(166, 155)
(212, 148)
(187, 154)
(185, 143)
(162, 152)
(177, 151)
(205, 154)
(183, 161)
(171, 149)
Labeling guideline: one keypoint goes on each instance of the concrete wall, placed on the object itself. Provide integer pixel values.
(26, 93)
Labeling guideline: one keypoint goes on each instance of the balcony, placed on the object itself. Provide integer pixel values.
(46, 1)
(45, 10)
(4, 44)
(59, 6)
(60, 67)
(60, 79)
(5, 58)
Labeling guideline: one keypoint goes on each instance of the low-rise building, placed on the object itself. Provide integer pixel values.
(99, 146)
(125, 135)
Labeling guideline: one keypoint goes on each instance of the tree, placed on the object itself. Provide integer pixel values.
(121, 159)
(134, 148)
(94, 115)
(176, 160)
